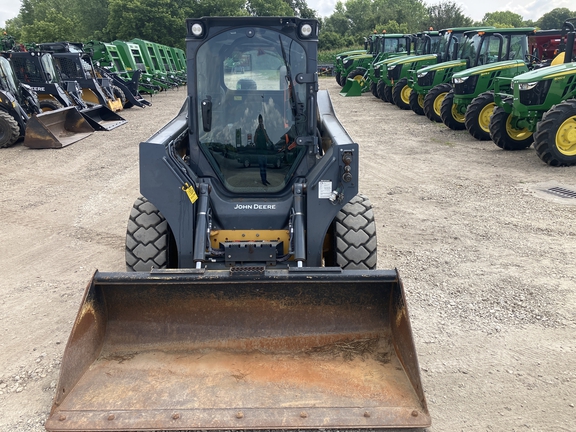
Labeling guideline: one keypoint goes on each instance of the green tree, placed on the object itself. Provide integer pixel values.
(337, 22)
(392, 27)
(555, 18)
(269, 8)
(503, 19)
(447, 14)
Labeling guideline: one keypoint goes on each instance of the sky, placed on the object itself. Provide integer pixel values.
(475, 9)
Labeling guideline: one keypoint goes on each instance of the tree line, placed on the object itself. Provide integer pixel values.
(162, 21)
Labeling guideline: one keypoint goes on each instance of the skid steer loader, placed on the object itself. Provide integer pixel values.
(21, 116)
(255, 303)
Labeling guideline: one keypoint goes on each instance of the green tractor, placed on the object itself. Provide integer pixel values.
(341, 57)
(430, 84)
(541, 108)
(396, 89)
(355, 75)
(503, 53)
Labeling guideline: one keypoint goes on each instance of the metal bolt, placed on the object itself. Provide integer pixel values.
(366, 414)
(414, 413)
(239, 414)
(175, 416)
(62, 417)
(111, 417)
(303, 414)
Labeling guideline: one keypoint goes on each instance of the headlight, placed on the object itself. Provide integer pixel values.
(391, 67)
(197, 29)
(422, 74)
(460, 80)
(348, 62)
(527, 86)
(306, 30)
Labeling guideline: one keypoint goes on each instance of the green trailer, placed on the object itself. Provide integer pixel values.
(153, 61)
(133, 58)
(541, 108)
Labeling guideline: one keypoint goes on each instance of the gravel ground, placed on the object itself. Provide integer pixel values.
(486, 255)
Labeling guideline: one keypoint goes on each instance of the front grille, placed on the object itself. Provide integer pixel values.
(394, 74)
(466, 87)
(377, 72)
(536, 95)
(426, 80)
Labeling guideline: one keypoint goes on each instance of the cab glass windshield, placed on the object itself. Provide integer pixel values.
(250, 108)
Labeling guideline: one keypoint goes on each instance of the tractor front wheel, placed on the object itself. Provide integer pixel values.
(433, 101)
(338, 77)
(149, 240)
(49, 105)
(380, 90)
(478, 115)
(9, 130)
(355, 235)
(401, 94)
(505, 135)
(555, 138)
(449, 113)
(417, 102)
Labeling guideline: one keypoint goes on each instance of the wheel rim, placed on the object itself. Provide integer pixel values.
(421, 100)
(359, 79)
(405, 94)
(516, 134)
(458, 116)
(484, 117)
(438, 102)
(566, 137)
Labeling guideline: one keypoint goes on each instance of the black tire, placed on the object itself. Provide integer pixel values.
(380, 87)
(555, 137)
(417, 102)
(433, 101)
(148, 238)
(388, 94)
(342, 80)
(49, 105)
(373, 89)
(356, 72)
(478, 116)
(246, 163)
(449, 113)
(401, 94)
(355, 235)
(337, 76)
(119, 94)
(505, 135)
(9, 130)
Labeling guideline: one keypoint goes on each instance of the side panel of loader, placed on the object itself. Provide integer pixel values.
(177, 350)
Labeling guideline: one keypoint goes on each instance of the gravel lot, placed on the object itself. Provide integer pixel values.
(486, 254)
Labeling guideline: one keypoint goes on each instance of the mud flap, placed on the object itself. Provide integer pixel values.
(56, 129)
(353, 87)
(179, 350)
(102, 118)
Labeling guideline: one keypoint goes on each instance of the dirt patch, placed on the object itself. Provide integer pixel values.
(485, 253)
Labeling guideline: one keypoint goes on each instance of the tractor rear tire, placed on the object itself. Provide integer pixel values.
(417, 102)
(355, 235)
(505, 135)
(401, 94)
(555, 138)
(49, 105)
(337, 76)
(449, 113)
(380, 89)
(148, 238)
(478, 116)
(433, 101)
(9, 130)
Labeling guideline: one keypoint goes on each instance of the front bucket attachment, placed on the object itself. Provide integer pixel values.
(56, 129)
(180, 350)
(353, 87)
(102, 118)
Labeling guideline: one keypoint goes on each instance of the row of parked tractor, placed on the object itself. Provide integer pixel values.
(54, 94)
(514, 86)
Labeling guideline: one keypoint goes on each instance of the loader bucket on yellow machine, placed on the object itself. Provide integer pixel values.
(214, 350)
(102, 118)
(56, 129)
